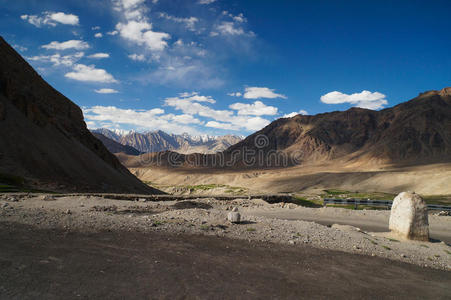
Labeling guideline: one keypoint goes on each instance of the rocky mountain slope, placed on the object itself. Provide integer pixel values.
(414, 132)
(157, 141)
(44, 142)
(115, 147)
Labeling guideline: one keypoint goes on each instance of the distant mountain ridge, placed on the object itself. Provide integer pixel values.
(414, 132)
(157, 141)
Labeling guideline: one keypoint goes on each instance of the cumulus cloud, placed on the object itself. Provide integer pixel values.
(137, 57)
(51, 19)
(261, 92)
(71, 44)
(58, 59)
(98, 35)
(364, 99)
(229, 28)
(137, 28)
(106, 91)
(205, 2)
(99, 55)
(258, 108)
(90, 74)
(151, 119)
(114, 32)
(189, 22)
(290, 115)
(237, 94)
(141, 34)
(250, 120)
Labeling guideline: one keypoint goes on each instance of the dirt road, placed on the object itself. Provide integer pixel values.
(56, 264)
(368, 221)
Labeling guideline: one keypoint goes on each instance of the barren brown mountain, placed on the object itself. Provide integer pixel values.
(44, 141)
(414, 132)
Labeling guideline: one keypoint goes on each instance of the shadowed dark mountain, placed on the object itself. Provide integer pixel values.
(416, 132)
(44, 140)
(115, 147)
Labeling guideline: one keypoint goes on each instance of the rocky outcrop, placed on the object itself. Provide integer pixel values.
(115, 147)
(409, 217)
(44, 138)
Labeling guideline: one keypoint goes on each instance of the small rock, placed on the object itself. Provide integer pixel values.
(235, 209)
(291, 242)
(4, 205)
(68, 212)
(403, 255)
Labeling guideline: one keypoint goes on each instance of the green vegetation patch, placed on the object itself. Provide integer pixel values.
(305, 202)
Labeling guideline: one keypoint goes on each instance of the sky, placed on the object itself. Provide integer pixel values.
(230, 67)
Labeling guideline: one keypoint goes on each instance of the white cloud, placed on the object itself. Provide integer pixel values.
(71, 44)
(261, 92)
(137, 57)
(290, 115)
(99, 55)
(239, 18)
(98, 35)
(188, 103)
(20, 48)
(258, 108)
(189, 22)
(51, 19)
(58, 59)
(152, 119)
(90, 74)
(237, 94)
(114, 32)
(364, 99)
(106, 91)
(141, 34)
(137, 28)
(95, 28)
(229, 28)
(205, 1)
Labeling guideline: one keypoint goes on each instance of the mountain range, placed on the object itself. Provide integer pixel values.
(414, 132)
(157, 141)
(44, 141)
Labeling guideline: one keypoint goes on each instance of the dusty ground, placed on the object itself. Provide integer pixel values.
(262, 222)
(431, 179)
(67, 264)
(92, 247)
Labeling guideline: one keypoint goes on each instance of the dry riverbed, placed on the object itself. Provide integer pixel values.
(261, 222)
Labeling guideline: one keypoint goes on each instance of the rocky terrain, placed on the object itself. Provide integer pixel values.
(261, 222)
(44, 141)
(156, 141)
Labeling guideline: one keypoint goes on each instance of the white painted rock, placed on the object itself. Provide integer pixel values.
(409, 217)
(234, 217)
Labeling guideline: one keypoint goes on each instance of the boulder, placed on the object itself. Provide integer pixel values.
(409, 217)
(234, 216)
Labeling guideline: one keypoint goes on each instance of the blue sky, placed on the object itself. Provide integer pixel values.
(218, 67)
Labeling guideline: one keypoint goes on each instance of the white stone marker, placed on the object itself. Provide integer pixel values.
(234, 216)
(409, 217)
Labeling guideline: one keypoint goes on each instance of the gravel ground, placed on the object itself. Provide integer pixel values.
(208, 217)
